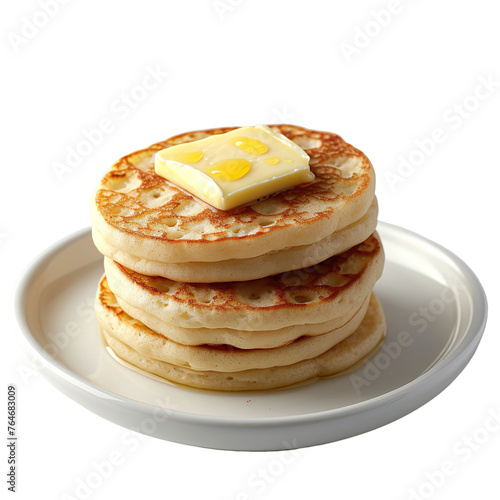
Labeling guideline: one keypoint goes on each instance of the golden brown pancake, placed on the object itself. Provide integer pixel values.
(221, 358)
(311, 295)
(276, 262)
(342, 356)
(140, 213)
(243, 339)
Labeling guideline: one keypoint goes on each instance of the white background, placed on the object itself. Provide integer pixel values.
(240, 62)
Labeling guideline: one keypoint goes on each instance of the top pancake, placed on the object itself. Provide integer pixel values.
(137, 211)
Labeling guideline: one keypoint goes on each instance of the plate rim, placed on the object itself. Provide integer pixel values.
(470, 341)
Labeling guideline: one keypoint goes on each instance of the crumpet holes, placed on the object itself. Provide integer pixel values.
(122, 183)
(268, 207)
(114, 199)
(304, 298)
(154, 198)
(117, 210)
(335, 280)
(170, 222)
(265, 222)
(239, 230)
(249, 296)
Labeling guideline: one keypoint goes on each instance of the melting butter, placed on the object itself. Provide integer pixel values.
(229, 170)
(232, 169)
(250, 145)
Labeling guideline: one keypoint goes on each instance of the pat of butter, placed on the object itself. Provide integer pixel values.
(232, 169)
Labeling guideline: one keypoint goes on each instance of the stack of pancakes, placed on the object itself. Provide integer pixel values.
(259, 297)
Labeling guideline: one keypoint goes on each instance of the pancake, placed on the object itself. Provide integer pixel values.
(140, 213)
(221, 358)
(276, 262)
(342, 356)
(311, 295)
(258, 339)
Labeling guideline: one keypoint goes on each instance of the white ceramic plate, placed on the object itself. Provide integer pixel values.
(436, 314)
